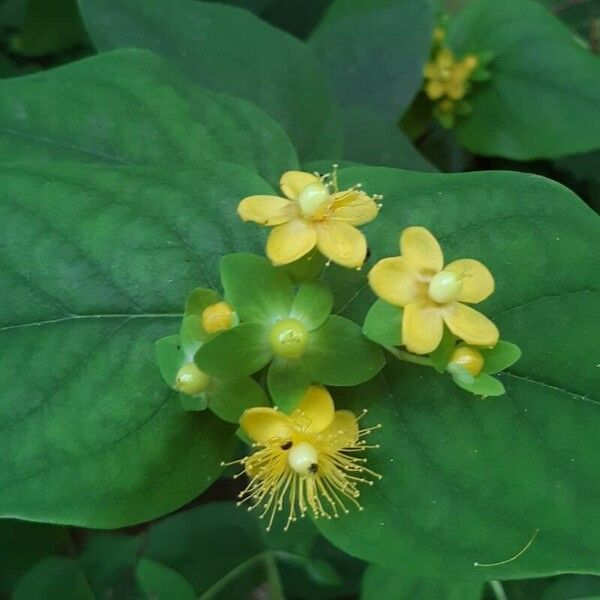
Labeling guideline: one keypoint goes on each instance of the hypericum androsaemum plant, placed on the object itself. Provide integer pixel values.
(270, 330)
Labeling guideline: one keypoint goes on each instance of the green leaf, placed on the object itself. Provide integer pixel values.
(467, 480)
(384, 582)
(236, 352)
(170, 357)
(542, 98)
(371, 140)
(339, 354)
(500, 357)
(373, 52)
(162, 583)
(312, 304)
(227, 50)
(229, 398)
(287, 381)
(483, 385)
(50, 27)
(440, 357)
(132, 107)
(383, 324)
(200, 299)
(258, 291)
(108, 561)
(24, 544)
(198, 402)
(54, 578)
(180, 542)
(96, 264)
(311, 265)
(190, 336)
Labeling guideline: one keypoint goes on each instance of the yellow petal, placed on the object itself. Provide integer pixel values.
(341, 243)
(434, 90)
(422, 328)
(314, 412)
(445, 58)
(477, 281)
(342, 432)
(290, 241)
(470, 325)
(420, 247)
(396, 281)
(265, 425)
(353, 207)
(293, 182)
(430, 71)
(456, 89)
(267, 210)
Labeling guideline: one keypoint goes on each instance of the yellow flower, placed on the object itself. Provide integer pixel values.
(432, 294)
(448, 77)
(314, 213)
(307, 460)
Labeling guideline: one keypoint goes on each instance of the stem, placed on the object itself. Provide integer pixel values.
(408, 357)
(498, 590)
(221, 584)
(273, 577)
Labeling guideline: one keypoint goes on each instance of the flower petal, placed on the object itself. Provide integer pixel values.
(267, 210)
(342, 432)
(422, 327)
(290, 241)
(341, 243)
(264, 425)
(478, 282)
(315, 411)
(434, 89)
(470, 325)
(421, 248)
(293, 182)
(353, 207)
(396, 281)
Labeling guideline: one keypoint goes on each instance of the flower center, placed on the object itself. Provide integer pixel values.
(469, 359)
(445, 287)
(288, 338)
(217, 317)
(313, 198)
(303, 459)
(191, 380)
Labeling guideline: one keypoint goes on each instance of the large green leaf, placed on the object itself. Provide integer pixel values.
(96, 265)
(130, 107)
(384, 582)
(543, 96)
(228, 50)
(241, 555)
(24, 544)
(373, 52)
(467, 480)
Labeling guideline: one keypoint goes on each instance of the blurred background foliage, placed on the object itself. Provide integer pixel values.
(210, 549)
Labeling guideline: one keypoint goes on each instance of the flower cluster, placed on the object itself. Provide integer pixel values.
(448, 79)
(262, 354)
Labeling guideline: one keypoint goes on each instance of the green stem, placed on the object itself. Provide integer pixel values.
(408, 357)
(220, 585)
(273, 577)
(498, 590)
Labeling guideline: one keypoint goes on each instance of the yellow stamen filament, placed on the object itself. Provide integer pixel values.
(306, 473)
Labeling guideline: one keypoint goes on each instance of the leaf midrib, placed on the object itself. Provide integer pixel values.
(75, 317)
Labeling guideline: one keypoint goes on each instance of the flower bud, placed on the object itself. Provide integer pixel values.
(469, 359)
(288, 338)
(217, 317)
(191, 380)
